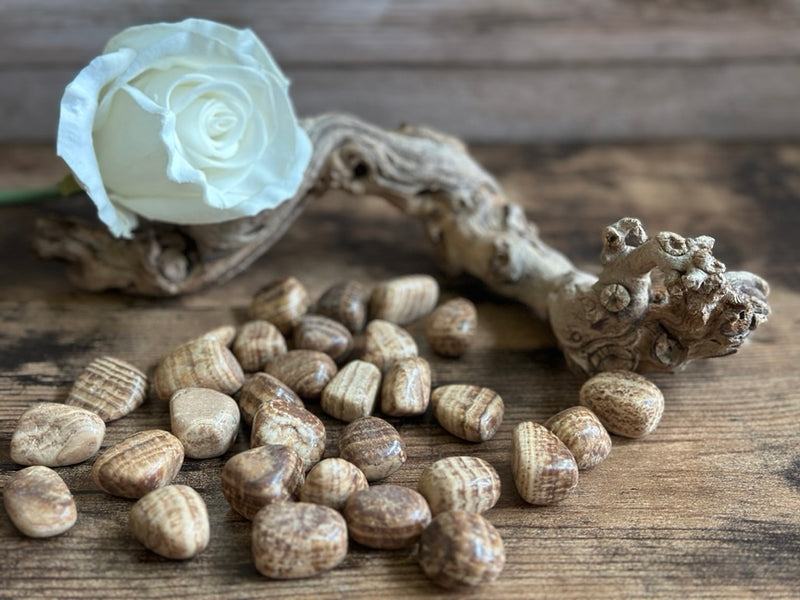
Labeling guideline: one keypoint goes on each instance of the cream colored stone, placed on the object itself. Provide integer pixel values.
(55, 435)
(205, 421)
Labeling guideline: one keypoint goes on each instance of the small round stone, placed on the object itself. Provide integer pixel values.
(404, 299)
(331, 482)
(584, 435)
(460, 483)
(171, 521)
(352, 392)
(406, 388)
(289, 424)
(260, 388)
(626, 403)
(461, 549)
(109, 387)
(451, 327)
(203, 362)
(386, 516)
(139, 464)
(205, 421)
(306, 372)
(55, 435)
(374, 446)
(543, 468)
(256, 342)
(345, 302)
(39, 503)
(471, 412)
(260, 476)
(385, 343)
(298, 539)
(317, 332)
(282, 303)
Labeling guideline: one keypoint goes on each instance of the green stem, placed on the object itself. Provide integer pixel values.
(26, 195)
(66, 187)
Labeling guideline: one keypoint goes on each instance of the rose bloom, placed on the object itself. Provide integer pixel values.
(187, 123)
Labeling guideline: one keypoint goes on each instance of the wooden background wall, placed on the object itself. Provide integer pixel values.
(486, 70)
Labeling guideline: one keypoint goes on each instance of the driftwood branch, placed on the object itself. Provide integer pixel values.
(658, 303)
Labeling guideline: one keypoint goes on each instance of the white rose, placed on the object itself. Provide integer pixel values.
(187, 123)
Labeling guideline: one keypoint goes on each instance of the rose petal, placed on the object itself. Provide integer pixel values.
(74, 141)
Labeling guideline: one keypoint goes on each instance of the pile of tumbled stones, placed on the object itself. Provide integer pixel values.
(305, 508)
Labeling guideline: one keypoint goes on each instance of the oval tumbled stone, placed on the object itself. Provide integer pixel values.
(139, 464)
(626, 403)
(544, 470)
(171, 521)
(205, 421)
(386, 516)
(260, 476)
(109, 387)
(38, 502)
(307, 372)
(460, 483)
(470, 412)
(298, 539)
(203, 362)
(55, 435)
(289, 424)
(374, 446)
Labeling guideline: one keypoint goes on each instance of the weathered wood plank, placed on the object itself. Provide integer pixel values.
(721, 101)
(483, 70)
(708, 506)
(48, 32)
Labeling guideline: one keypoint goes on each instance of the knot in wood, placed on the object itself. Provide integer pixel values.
(614, 297)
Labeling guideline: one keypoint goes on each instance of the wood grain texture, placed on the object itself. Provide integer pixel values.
(707, 506)
(480, 69)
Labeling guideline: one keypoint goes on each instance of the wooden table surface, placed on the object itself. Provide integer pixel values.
(708, 506)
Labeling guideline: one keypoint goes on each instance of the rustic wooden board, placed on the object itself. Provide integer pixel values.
(708, 506)
(481, 69)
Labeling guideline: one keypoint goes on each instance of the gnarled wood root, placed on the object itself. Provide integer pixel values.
(658, 303)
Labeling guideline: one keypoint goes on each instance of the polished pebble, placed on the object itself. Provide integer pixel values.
(584, 435)
(139, 464)
(260, 476)
(404, 299)
(543, 468)
(331, 482)
(205, 421)
(278, 421)
(374, 446)
(461, 549)
(307, 372)
(171, 521)
(282, 303)
(626, 403)
(346, 302)
(451, 327)
(353, 391)
(55, 435)
(460, 483)
(38, 502)
(203, 362)
(291, 540)
(406, 388)
(260, 388)
(385, 343)
(256, 342)
(470, 412)
(386, 516)
(317, 332)
(109, 387)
